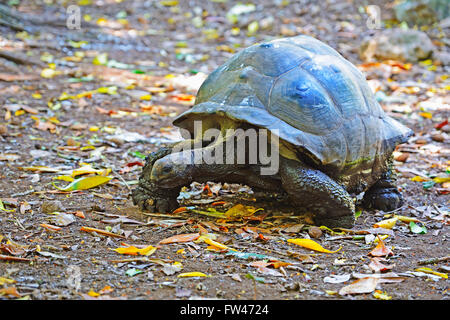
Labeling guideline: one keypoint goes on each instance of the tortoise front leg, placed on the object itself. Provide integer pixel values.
(383, 195)
(315, 191)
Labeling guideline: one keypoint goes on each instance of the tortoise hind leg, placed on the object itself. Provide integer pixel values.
(315, 191)
(383, 195)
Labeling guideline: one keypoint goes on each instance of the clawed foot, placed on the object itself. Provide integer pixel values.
(155, 200)
(386, 199)
(150, 197)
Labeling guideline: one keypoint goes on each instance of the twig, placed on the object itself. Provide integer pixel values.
(12, 258)
(433, 260)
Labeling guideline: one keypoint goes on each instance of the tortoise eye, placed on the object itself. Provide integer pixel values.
(166, 169)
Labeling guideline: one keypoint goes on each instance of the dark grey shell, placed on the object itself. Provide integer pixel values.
(317, 100)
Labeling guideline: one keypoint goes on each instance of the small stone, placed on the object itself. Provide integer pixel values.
(71, 142)
(421, 141)
(438, 137)
(315, 232)
(52, 206)
(446, 128)
(397, 44)
(3, 129)
(401, 157)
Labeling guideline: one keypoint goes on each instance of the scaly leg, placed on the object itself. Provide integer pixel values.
(383, 195)
(315, 191)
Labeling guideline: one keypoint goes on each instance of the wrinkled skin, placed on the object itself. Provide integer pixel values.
(308, 189)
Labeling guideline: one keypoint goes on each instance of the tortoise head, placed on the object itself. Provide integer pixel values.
(168, 172)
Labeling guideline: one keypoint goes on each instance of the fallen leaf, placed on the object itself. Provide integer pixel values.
(376, 266)
(415, 228)
(430, 271)
(102, 232)
(50, 227)
(10, 291)
(387, 224)
(380, 250)
(192, 274)
(312, 245)
(188, 237)
(132, 250)
(335, 278)
(85, 183)
(378, 294)
(364, 285)
(170, 269)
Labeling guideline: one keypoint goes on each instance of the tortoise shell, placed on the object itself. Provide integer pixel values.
(318, 101)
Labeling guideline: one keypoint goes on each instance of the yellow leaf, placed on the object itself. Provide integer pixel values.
(132, 250)
(49, 73)
(64, 178)
(240, 210)
(407, 219)
(36, 95)
(216, 244)
(380, 237)
(387, 224)
(83, 94)
(39, 169)
(419, 179)
(381, 295)
(6, 280)
(108, 90)
(65, 96)
(427, 115)
(192, 274)
(92, 293)
(146, 97)
(429, 270)
(168, 3)
(77, 44)
(102, 58)
(310, 244)
(441, 179)
(85, 183)
(252, 28)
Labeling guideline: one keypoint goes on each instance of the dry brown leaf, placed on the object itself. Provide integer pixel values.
(364, 285)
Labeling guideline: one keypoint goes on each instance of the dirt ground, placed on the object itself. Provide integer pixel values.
(109, 111)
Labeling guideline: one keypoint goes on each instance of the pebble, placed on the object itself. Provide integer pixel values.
(315, 232)
(446, 128)
(52, 206)
(438, 137)
(3, 129)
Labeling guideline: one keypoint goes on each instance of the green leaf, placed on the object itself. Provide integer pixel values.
(2, 207)
(133, 271)
(428, 184)
(259, 279)
(137, 154)
(415, 228)
(357, 214)
(247, 255)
